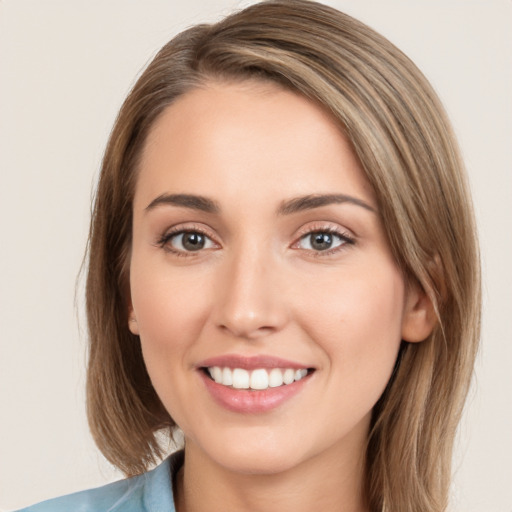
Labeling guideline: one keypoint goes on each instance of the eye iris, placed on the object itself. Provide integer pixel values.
(321, 241)
(193, 241)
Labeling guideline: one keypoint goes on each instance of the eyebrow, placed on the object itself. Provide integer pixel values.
(295, 205)
(312, 201)
(191, 201)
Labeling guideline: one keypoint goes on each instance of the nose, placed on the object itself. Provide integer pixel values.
(250, 302)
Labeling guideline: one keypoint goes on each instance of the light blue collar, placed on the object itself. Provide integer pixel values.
(149, 492)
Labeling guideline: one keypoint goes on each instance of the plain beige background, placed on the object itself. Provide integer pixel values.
(65, 67)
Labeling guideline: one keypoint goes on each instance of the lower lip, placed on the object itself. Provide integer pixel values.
(252, 401)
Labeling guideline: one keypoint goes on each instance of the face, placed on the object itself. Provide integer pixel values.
(269, 308)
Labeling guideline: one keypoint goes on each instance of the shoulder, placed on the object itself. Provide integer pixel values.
(149, 492)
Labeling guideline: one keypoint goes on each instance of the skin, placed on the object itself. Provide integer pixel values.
(258, 287)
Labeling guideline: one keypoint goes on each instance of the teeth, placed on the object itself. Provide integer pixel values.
(288, 376)
(240, 379)
(300, 373)
(227, 377)
(261, 378)
(217, 374)
(275, 379)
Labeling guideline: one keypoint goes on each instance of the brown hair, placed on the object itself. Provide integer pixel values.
(400, 132)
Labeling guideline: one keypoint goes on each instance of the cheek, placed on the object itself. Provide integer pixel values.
(359, 328)
(170, 315)
(170, 312)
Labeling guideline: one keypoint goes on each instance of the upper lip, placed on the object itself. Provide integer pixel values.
(251, 362)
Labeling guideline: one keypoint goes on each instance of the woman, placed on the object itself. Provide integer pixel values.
(282, 263)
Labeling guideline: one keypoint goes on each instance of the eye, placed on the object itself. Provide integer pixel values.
(186, 241)
(322, 241)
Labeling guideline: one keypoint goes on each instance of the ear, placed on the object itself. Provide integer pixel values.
(132, 321)
(419, 318)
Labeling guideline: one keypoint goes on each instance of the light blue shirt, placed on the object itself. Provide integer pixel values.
(149, 492)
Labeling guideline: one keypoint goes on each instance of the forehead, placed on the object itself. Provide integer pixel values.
(224, 137)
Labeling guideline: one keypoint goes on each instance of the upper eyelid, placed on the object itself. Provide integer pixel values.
(347, 238)
(187, 228)
(345, 234)
(318, 226)
(173, 231)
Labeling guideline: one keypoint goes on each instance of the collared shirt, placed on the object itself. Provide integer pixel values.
(149, 492)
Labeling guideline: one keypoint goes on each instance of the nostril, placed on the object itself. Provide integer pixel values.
(247, 331)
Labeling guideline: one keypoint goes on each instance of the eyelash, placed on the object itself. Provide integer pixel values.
(347, 239)
(163, 241)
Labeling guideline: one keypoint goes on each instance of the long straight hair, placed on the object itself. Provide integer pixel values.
(401, 134)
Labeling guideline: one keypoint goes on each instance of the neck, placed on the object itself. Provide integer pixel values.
(329, 482)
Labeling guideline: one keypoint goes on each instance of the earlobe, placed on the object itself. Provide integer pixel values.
(132, 322)
(419, 318)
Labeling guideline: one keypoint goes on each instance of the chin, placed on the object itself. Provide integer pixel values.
(260, 462)
(254, 455)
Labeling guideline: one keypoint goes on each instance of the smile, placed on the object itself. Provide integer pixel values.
(257, 379)
(254, 384)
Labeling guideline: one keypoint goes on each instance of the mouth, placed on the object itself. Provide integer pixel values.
(253, 384)
(258, 379)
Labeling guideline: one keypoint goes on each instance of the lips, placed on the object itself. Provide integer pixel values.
(253, 384)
